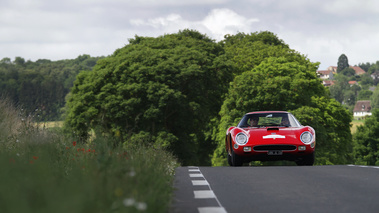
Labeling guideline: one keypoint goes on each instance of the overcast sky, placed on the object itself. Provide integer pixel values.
(65, 29)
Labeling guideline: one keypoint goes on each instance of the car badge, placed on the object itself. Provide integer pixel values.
(273, 136)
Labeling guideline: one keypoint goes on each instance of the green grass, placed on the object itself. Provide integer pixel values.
(355, 124)
(45, 171)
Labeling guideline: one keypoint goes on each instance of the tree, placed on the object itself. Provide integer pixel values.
(162, 91)
(284, 84)
(246, 51)
(375, 98)
(366, 141)
(349, 72)
(364, 95)
(342, 63)
(332, 125)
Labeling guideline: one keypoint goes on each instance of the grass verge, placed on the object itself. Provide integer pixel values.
(44, 171)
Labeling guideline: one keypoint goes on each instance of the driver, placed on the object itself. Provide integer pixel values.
(285, 121)
(254, 122)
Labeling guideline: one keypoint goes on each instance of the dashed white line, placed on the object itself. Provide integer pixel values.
(204, 194)
(196, 175)
(200, 183)
(211, 210)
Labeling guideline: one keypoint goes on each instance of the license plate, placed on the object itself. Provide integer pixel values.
(275, 152)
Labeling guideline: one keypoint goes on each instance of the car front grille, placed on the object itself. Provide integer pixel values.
(274, 147)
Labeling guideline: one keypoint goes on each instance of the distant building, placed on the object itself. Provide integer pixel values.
(327, 83)
(358, 70)
(362, 109)
(325, 74)
(351, 83)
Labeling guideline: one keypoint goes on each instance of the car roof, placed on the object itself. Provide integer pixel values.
(261, 112)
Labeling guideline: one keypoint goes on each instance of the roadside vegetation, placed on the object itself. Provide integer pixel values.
(43, 170)
(181, 91)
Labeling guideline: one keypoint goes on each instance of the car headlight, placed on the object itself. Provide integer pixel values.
(306, 137)
(241, 138)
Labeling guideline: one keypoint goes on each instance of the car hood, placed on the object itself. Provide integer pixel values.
(269, 135)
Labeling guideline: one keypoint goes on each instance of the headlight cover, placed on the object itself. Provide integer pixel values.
(241, 138)
(306, 137)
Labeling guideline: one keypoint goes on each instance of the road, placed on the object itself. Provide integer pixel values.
(343, 188)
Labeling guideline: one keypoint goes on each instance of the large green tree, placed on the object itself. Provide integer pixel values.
(366, 141)
(162, 90)
(287, 83)
(343, 63)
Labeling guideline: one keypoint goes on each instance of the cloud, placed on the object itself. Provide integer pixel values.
(216, 24)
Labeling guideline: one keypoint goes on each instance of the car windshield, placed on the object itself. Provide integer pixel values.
(269, 119)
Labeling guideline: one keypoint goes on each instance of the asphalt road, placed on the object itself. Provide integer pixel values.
(344, 188)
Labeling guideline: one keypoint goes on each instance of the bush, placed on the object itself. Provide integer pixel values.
(44, 171)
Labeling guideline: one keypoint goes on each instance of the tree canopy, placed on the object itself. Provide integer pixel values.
(343, 63)
(366, 141)
(286, 80)
(162, 90)
(40, 87)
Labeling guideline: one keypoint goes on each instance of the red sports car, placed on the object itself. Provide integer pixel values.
(270, 136)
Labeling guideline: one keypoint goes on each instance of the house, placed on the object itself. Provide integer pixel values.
(362, 109)
(351, 83)
(358, 70)
(325, 74)
(327, 83)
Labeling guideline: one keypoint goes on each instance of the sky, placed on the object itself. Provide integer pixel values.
(322, 30)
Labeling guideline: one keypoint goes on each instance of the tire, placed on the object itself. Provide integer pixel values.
(236, 160)
(307, 160)
(230, 160)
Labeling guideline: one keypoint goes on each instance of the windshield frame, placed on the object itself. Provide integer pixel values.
(268, 119)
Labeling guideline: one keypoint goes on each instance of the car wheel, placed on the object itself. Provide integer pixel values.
(230, 160)
(236, 160)
(307, 160)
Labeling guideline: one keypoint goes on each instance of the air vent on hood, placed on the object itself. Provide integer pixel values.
(272, 128)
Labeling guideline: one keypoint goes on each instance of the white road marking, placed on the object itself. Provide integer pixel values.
(204, 194)
(200, 183)
(212, 210)
(362, 166)
(196, 175)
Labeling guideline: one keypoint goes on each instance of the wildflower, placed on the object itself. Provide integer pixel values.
(35, 157)
(31, 162)
(141, 206)
(12, 160)
(89, 150)
(67, 147)
(128, 202)
(74, 143)
(132, 173)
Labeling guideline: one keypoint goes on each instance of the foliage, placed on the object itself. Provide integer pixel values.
(343, 63)
(366, 141)
(44, 171)
(40, 87)
(162, 90)
(347, 72)
(284, 84)
(332, 125)
(246, 51)
(365, 95)
(375, 98)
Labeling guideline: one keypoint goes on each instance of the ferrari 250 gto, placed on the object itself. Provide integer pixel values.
(270, 136)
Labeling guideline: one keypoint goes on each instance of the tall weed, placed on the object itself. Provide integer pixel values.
(45, 171)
